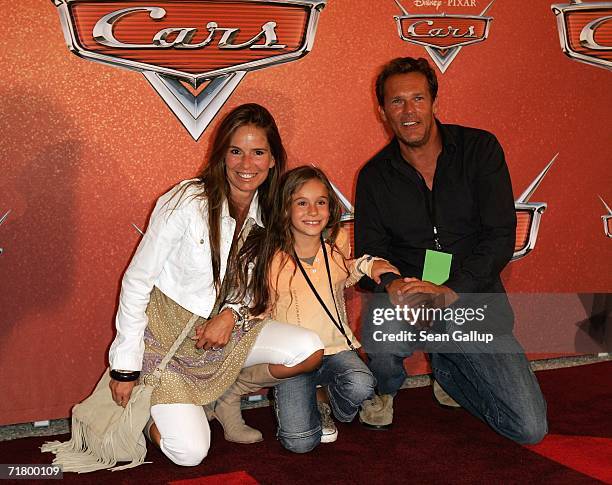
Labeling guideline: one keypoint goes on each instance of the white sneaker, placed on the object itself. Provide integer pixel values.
(330, 432)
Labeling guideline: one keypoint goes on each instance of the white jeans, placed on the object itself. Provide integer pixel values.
(184, 429)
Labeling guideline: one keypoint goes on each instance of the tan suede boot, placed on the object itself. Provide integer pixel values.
(377, 413)
(227, 407)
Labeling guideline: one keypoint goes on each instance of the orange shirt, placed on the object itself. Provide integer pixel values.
(297, 304)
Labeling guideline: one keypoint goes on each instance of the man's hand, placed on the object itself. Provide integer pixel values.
(440, 296)
(415, 293)
(216, 332)
(121, 391)
(399, 295)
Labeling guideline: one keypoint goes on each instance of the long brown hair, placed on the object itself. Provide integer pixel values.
(253, 264)
(212, 179)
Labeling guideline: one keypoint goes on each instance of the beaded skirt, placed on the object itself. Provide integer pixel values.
(193, 376)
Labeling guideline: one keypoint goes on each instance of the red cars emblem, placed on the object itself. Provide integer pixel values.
(443, 35)
(585, 31)
(194, 53)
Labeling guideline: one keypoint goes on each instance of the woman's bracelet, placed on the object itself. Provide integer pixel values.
(241, 318)
(237, 317)
(124, 376)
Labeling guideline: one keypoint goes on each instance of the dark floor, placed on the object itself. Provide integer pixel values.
(427, 444)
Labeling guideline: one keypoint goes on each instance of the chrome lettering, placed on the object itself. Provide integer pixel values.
(587, 35)
(441, 33)
(267, 31)
(181, 37)
(103, 30)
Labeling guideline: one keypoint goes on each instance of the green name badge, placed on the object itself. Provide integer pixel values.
(437, 267)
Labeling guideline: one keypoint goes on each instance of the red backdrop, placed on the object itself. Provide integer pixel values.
(86, 148)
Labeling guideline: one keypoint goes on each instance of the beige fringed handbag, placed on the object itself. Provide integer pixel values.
(104, 433)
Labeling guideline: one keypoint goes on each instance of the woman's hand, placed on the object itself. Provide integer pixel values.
(121, 391)
(380, 267)
(216, 332)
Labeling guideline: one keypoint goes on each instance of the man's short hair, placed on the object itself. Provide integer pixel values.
(405, 65)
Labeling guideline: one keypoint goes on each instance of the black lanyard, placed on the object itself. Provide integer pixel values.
(430, 203)
(337, 323)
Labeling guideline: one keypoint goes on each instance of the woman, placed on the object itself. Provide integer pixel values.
(301, 267)
(178, 270)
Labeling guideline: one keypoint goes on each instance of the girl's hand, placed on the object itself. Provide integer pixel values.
(121, 391)
(380, 267)
(217, 331)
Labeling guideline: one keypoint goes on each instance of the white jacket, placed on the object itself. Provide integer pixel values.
(174, 255)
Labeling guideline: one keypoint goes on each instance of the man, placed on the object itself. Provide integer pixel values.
(444, 188)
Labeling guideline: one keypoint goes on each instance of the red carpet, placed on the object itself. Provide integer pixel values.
(427, 444)
(588, 455)
(236, 478)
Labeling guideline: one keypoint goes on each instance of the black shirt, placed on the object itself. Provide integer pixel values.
(471, 202)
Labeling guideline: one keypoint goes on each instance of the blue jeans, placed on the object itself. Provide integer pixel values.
(349, 382)
(497, 387)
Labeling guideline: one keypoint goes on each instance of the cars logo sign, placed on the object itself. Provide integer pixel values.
(607, 219)
(529, 216)
(2, 219)
(585, 31)
(443, 35)
(194, 53)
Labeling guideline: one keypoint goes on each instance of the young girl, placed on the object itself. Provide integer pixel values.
(297, 271)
